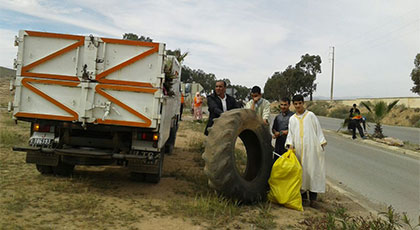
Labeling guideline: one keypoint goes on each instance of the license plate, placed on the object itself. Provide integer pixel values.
(40, 141)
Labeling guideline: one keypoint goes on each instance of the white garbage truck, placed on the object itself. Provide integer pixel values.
(96, 101)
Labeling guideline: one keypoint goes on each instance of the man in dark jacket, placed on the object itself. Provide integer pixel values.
(219, 102)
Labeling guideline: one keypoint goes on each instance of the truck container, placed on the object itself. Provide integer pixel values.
(96, 101)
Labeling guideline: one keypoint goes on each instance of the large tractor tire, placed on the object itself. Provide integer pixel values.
(219, 156)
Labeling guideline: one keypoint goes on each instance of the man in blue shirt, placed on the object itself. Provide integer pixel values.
(281, 125)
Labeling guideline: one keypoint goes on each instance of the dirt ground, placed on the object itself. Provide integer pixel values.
(106, 198)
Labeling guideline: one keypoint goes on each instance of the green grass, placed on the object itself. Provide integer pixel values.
(9, 138)
(196, 145)
(217, 210)
(264, 219)
(17, 202)
(84, 204)
(195, 125)
(340, 220)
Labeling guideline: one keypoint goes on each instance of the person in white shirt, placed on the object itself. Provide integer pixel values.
(260, 105)
(305, 136)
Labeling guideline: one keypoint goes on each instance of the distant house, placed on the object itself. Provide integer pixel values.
(6, 72)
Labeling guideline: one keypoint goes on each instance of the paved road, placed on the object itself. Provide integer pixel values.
(403, 133)
(381, 176)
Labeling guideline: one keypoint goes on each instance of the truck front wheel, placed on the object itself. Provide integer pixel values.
(249, 182)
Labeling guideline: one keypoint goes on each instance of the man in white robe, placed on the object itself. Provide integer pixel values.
(306, 137)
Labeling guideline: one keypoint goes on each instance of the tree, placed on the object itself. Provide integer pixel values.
(242, 92)
(415, 75)
(298, 79)
(186, 74)
(207, 80)
(379, 110)
(311, 66)
(285, 84)
(135, 37)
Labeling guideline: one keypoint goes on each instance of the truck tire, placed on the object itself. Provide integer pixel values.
(44, 169)
(219, 156)
(63, 169)
(149, 177)
(170, 143)
(155, 178)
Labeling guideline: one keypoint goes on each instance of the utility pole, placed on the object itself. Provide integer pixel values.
(332, 75)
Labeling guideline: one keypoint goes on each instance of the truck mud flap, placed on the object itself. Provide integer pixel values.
(140, 166)
(147, 165)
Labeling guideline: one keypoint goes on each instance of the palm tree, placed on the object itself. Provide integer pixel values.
(379, 110)
(178, 54)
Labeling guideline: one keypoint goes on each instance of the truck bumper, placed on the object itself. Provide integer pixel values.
(145, 163)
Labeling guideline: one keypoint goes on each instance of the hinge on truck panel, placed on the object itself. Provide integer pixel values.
(15, 63)
(16, 41)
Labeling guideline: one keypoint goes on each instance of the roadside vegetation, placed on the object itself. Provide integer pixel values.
(340, 220)
(400, 115)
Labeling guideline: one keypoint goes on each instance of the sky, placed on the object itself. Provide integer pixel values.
(375, 41)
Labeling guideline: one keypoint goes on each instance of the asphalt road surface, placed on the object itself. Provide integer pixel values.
(379, 176)
(382, 176)
(403, 133)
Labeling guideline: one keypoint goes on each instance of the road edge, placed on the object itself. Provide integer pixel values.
(410, 153)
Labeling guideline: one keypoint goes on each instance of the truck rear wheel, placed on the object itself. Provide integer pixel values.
(149, 177)
(155, 178)
(170, 143)
(63, 169)
(44, 169)
(221, 168)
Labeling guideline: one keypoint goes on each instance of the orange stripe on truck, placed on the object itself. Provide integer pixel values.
(105, 73)
(147, 122)
(26, 83)
(27, 68)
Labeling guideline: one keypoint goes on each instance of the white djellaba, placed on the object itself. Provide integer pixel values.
(306, 136)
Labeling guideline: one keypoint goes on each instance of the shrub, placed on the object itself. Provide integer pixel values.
(415, 119)
(339, 112)
(320, 108)
(401, 107)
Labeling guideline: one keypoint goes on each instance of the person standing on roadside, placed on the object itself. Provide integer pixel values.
(354, 111)
(260, 105)
(281, 126)
(219, 102)
(355, 120)
(182, 106)
(198, 113)
(307, 139)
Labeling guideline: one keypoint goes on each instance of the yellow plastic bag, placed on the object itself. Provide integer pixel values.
(285, 181)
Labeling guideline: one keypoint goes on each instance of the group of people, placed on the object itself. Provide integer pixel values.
(300, 131)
